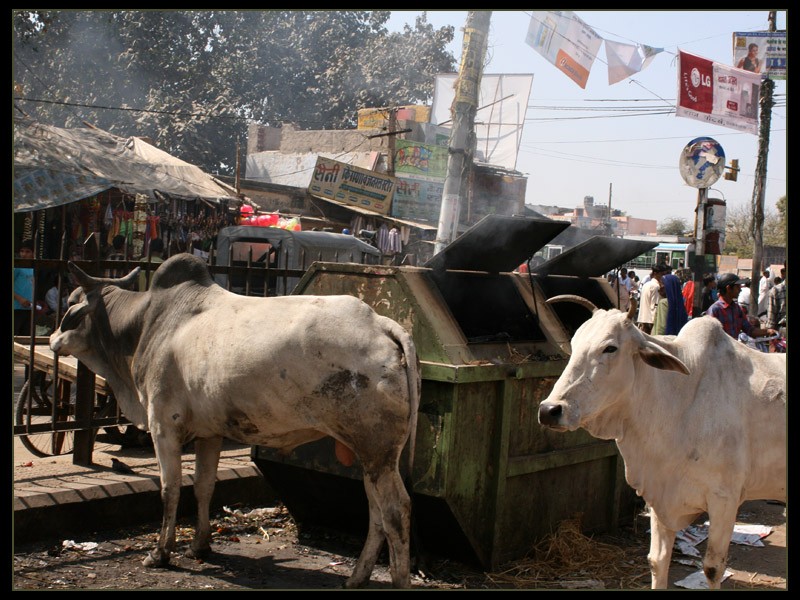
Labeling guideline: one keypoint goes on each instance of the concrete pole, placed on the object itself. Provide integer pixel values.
(462, 135)
(767, 102)
(699, 268)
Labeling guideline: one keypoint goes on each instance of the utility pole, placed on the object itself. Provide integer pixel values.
(462, 135)
(392, 140)
(767, 102)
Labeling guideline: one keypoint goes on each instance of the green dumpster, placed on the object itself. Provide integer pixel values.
(488, 481)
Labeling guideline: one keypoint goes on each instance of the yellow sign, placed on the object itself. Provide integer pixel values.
(378, 118)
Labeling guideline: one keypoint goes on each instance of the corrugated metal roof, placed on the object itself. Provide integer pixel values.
(372, 213)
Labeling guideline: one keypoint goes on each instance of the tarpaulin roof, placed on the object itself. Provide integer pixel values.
(55, 166)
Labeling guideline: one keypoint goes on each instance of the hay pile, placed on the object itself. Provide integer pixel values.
(569, 559)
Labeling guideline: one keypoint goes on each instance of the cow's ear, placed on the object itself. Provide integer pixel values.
(655, 356)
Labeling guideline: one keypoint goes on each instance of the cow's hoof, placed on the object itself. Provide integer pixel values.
(198, 553)
(352, 584)
(156, 559)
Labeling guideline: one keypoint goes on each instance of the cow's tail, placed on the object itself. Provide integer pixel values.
(406, 342)
(413, 374)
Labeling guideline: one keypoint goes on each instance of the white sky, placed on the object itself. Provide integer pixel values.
(632, 158)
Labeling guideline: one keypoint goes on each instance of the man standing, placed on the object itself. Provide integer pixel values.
(764, 286)
(708, 295)
(23, 292)
(650, 297)
(730, 314)
(622, 286)
(776, 311)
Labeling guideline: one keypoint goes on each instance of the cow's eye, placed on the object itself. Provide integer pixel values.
(609, 349)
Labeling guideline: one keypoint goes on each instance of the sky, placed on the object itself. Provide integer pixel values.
(629, 161)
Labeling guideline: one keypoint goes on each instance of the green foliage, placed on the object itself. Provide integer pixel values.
(673, 226)
(739, 229)
(192, 80)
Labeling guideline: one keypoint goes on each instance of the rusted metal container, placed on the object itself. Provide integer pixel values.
(488, 480)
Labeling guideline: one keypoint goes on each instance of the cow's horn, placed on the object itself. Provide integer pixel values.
(587, 304)
(87, 282)
(632, 309)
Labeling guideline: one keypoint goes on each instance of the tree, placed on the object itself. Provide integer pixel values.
(781, 206)
(192, 80)
(739, 229)
(673, 226)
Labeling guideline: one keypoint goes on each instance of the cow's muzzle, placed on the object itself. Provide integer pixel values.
(550, 415)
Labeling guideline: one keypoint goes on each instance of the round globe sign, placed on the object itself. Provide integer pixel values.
(702, 162)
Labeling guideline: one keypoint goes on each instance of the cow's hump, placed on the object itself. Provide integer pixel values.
(181, 268)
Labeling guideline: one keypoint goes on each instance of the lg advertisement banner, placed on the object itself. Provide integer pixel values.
(717, 93)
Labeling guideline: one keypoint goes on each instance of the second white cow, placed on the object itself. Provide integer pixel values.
(699, 419)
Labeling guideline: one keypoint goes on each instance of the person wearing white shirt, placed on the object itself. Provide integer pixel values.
(744, 296)
(764, 286)
(650, 297)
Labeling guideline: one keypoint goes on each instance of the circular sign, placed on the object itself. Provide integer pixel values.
(702, 162)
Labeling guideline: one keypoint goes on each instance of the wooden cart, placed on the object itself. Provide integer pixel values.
(52, 413)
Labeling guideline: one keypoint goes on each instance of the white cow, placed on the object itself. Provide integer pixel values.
(699, 419)
(189, 360)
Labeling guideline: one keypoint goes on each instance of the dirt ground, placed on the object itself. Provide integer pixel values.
(262, 548)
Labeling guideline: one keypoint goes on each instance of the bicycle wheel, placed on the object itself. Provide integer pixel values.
(41, 411)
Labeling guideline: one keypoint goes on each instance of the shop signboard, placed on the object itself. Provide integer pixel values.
(353, 186)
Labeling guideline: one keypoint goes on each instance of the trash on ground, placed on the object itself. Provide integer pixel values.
(698, 581)
(84, 546)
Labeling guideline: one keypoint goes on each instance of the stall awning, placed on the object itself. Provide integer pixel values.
(55, 166)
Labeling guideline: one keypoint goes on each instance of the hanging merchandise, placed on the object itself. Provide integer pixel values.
(27, 227)
(395, 246)
(108, 220)
(383, 238)
(139, 224)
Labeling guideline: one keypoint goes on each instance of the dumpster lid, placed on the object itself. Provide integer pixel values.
(497, 243)
(594, 257)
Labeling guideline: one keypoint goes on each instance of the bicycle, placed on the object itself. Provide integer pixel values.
(772, 343)
(44, 401)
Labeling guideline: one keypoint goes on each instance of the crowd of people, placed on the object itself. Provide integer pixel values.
(666, 302)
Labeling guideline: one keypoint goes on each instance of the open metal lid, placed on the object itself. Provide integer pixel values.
(496, 244)
(594, 257)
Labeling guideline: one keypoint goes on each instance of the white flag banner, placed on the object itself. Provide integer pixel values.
(566, 41)
(719, 94)
(625, 60)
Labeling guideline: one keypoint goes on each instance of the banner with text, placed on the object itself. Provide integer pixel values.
(351, 185)
(417, 199)
(761, 52)
(566, 41)
(717, 93)
(424, 160)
